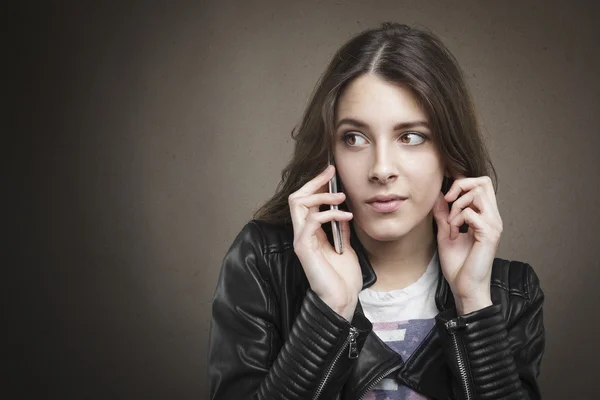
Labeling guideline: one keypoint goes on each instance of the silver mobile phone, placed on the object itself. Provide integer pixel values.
(335, 225)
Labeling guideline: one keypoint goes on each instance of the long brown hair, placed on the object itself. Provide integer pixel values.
(397, 53)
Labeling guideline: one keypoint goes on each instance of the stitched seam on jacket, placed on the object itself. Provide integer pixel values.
(268, 251)
(524, 293)
(528, 283)
(425, 342)
(513, 292)
(272, 248)
(269, 295)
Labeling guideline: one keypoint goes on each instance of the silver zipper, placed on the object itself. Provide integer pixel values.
(452, 326)
(352, 354)
(379, 379)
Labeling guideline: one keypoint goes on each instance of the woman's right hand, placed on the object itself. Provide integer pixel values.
(335, 278)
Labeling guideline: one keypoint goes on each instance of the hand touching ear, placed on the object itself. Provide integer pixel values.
(466, 258)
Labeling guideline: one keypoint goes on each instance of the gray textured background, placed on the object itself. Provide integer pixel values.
(145, 134)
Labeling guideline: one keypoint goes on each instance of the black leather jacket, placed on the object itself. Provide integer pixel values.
(273, 338)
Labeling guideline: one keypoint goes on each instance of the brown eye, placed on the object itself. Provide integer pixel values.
(412, 138)
(352, 139)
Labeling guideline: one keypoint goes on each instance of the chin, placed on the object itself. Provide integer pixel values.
(385, 230)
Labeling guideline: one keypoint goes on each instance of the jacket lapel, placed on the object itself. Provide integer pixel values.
(426, 369)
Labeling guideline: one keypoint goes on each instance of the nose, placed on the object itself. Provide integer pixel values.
(383, 169)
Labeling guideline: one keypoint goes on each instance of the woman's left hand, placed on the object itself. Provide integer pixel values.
(466, 258)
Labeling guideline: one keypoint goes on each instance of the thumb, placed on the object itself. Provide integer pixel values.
(440, 213)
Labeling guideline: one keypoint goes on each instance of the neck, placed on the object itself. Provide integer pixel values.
(401, 262)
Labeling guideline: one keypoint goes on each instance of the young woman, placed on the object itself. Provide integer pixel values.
(414, 307)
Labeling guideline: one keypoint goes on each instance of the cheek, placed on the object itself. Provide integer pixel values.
(426, 178)
(348, 177)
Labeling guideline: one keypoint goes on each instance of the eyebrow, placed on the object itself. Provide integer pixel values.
(360, 124)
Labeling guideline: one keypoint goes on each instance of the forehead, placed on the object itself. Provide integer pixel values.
(373, 100)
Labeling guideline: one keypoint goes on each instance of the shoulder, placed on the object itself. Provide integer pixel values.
(517, 278)
(259, 243)
(255, 255)
(276, 238)
(266, 236)
(263, 253)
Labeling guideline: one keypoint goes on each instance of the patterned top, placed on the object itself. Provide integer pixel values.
(402, 319)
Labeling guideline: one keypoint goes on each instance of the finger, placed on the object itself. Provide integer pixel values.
(315, 220)
(316, 183)
(328, 216)
(463, 185)
(460, 185)
(440, 214)
(301, 206)
(315, 200)
(471, 218)
(475, 197)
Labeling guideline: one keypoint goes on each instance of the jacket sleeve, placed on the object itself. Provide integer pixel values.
(490, 360)
(248, 358)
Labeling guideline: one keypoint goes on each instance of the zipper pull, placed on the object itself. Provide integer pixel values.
(352, 347)
(455, 324)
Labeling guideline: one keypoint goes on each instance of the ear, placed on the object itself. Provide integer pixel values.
(446, 183)
(440, 212)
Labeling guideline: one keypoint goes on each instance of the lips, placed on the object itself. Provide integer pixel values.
(386, 203)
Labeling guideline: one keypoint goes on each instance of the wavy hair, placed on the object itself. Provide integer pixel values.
(414, 58)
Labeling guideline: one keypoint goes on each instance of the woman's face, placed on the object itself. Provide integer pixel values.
(383, 146)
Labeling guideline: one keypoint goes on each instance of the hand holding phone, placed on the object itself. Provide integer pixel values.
(335, 225)
(336, 278)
